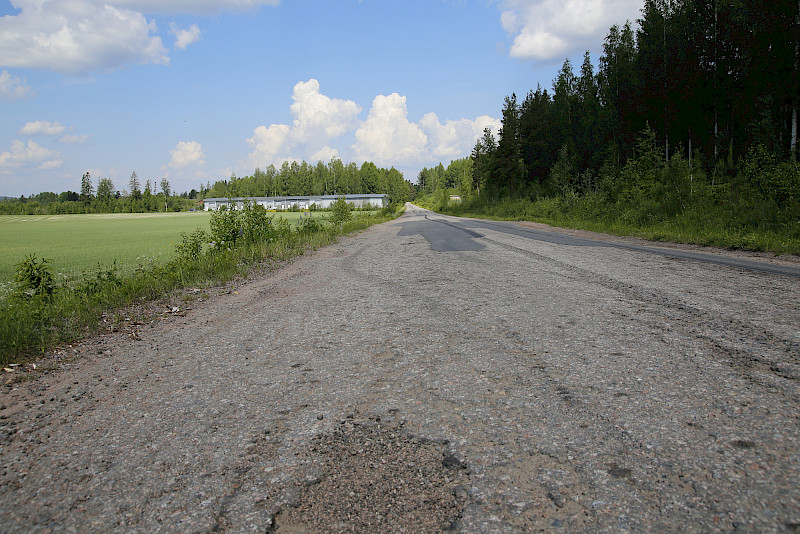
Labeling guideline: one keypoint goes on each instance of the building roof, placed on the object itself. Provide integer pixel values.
(300, 197)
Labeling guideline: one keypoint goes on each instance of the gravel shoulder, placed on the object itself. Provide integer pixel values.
(379, 385)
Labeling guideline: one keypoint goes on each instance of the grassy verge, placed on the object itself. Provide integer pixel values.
(719, 226)
(32, 322)
(77, 243)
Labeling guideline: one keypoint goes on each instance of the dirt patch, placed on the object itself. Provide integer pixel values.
(369, 475)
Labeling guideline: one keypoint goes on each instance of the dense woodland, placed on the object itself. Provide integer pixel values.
(695, 108)
(290, 179)
(712, 79)
(335, 178)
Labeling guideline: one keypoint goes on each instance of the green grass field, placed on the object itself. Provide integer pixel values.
(78, 243)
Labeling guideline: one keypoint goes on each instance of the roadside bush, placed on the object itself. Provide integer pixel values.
(34, 278)
(340, 212)
(442, 199)
(307, 225)
(775, 181)
(191, 245)
(102, 279)
(225, 227)
(388, 210)
(256, 224)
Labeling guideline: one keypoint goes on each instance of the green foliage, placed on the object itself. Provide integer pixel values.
(333, 178)
(442, 199)
(34, 278)
(669, 201)
(100, 280)
(340, 212)
(307, 225)
(775, 181)
(256, 224)
(565, 175)
(191, 245)
(225, 228)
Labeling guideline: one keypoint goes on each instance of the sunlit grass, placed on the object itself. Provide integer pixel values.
(79, 243)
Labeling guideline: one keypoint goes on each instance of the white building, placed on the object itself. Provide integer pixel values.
(300, 202)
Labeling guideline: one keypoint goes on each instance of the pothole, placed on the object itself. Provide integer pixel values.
(369, 475)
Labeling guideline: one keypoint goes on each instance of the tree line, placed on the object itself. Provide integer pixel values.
(713, 83)
(103, 198)
(333, 178)
(301, 178)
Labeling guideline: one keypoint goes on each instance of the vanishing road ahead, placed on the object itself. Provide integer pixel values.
(433, 373)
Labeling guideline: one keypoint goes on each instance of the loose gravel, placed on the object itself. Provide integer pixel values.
(380, 385)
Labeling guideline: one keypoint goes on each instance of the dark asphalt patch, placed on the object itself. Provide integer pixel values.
(443, 236)
(561, 239)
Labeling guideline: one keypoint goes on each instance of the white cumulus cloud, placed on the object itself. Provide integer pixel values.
(14, 87)
(184, 38)
(51, 164)
(42, 128)
(30, 154)
(267, 144)
(187, 153)
(78, 37)
(554, 29)
(387, 137)
(326, 153)
(455, 138)
(318, 119)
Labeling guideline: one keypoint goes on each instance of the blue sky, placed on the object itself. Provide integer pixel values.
(195, 90)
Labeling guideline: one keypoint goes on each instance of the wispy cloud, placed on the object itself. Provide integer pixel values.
(73, 139)
(14, 87)
(184, 38)
(42, 128)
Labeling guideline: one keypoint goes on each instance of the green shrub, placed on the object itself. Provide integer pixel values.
(225, 228)
(256, 224)
(308, 225)
(340, 212)
(34, 278)
(100, 280)
(191, 245)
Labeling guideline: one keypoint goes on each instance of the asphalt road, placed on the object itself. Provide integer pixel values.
(432, 373)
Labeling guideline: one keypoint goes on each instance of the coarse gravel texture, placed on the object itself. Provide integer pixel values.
(378, 385)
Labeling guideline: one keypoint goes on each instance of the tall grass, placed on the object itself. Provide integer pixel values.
(32, 323)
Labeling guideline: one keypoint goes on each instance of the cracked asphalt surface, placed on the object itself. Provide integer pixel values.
(432, 374)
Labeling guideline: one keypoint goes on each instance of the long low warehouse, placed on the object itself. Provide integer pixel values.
(299, 202)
